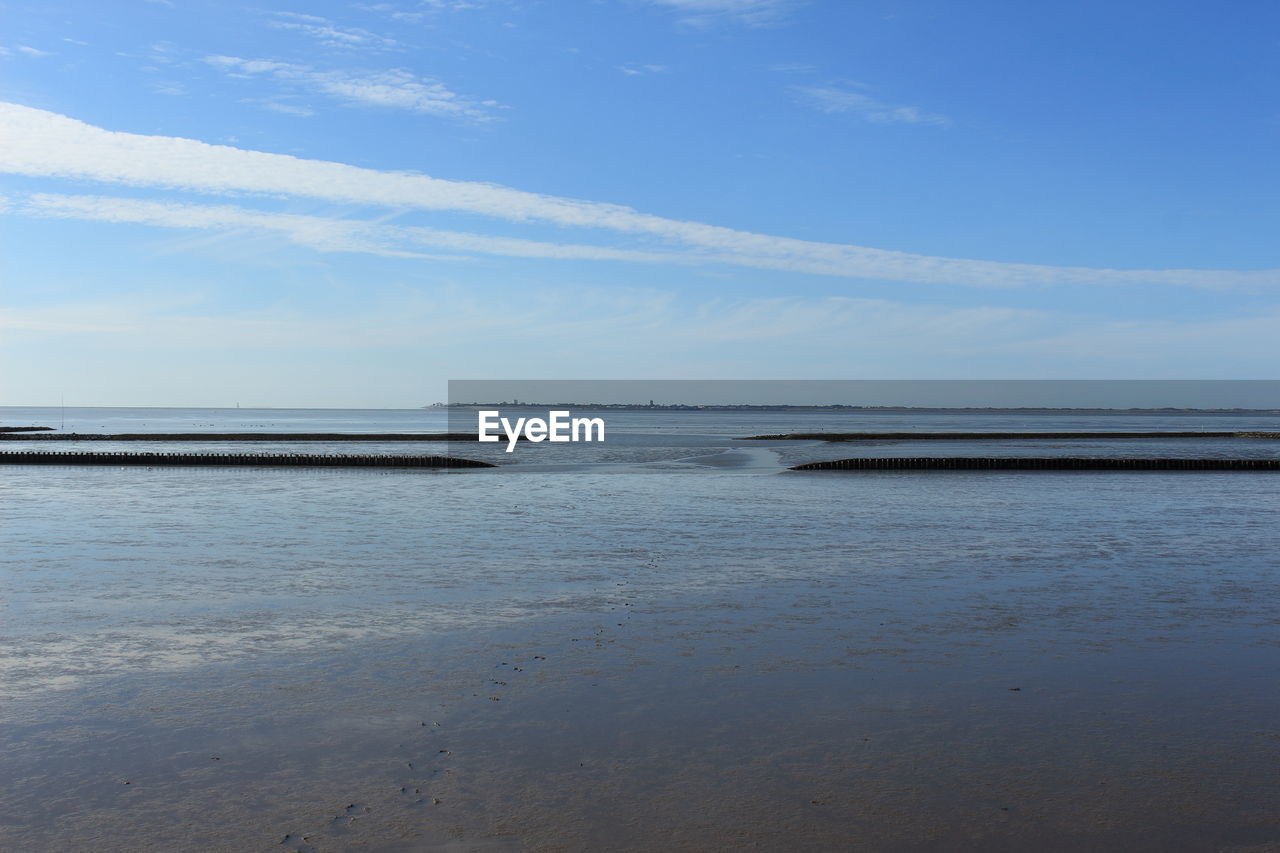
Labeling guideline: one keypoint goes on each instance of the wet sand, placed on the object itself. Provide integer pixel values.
(387, 660)
(651, 727)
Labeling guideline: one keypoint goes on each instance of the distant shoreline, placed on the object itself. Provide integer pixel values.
(675, 407)
(680, 407)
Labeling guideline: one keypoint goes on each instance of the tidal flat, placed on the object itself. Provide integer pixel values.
(713, 655)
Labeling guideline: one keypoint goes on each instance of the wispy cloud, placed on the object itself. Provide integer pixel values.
(701, 13)
(315, 232)
(41, 143)
(329, 34)
(793, 68)
(27, 50)
(395, 88)
(634, 70)
(937, 341)
(420, 12)
(288, 109)
(162, 51)
(633, 315)
(396, 14)
(832, 99)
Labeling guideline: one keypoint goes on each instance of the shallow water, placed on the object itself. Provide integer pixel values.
(716, 655)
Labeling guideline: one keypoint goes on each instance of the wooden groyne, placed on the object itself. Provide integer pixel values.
(1002, 436)
(261, 460)
(244, 436)
(45, 434)
(1043, 463)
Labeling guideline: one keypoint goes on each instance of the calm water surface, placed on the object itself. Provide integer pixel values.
(716, 655)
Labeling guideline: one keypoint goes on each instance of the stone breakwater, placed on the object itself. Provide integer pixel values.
(244, 436)
(1016, 463)
(298, 460)
(960, 436)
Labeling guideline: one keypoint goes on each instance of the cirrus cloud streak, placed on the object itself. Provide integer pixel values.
(41, 143)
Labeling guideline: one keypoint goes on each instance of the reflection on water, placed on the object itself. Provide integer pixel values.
(713, 656)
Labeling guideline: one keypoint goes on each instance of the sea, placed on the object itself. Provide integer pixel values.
(664, 641)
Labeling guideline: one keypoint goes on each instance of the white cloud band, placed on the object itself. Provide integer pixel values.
(40, 143)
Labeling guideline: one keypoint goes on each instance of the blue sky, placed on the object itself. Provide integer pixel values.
(346, 204)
